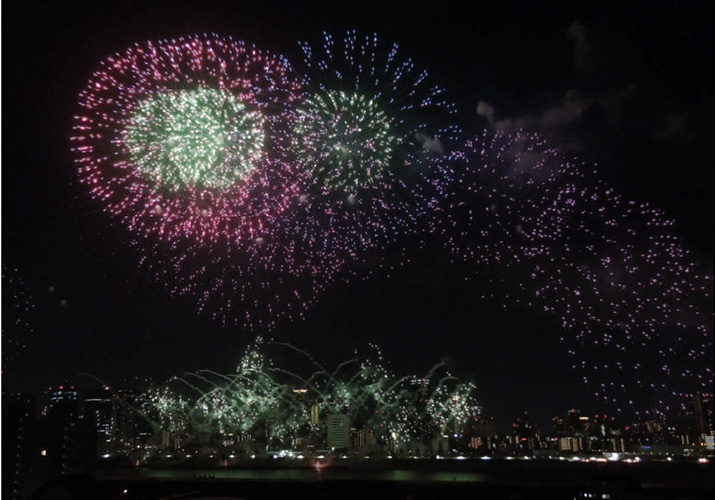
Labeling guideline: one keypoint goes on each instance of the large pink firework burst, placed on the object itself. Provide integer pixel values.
(181, 139)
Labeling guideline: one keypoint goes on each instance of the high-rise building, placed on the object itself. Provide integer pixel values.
(338, 431)
(123, 418)
(573, 444)
(616, 445)
(60, 436)
(166, 439)
(128, 428)
(97, 410)
(19, 447)
(524, 434)
(703, 413)
(69, 439)
(364, 437)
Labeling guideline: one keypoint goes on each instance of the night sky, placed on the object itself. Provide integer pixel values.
(640, 76)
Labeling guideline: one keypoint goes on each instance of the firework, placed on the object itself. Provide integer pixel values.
(346, 138)
(367, 111)
(550, 235)
(202, 137)
(170, 137)
(366, 125)
(276, 405)
(239, 284)
(351, 145)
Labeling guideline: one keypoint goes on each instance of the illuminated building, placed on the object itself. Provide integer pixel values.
(19, 449)
(572, 444)
(477, 442)
(364, 437)
(166, 439)
(703, 413)
(525, 434)
(616, 445)
(338, 431)
(69, 439)
(61, 422)
(98, 411)
(127, 427)
(314, 415)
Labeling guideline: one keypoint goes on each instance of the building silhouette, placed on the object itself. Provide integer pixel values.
(338, 431)
(19, 446)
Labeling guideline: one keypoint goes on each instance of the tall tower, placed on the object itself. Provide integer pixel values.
(70, 441)
(338, 431)
(703, 413)
(314, 415)
(98, 411)
(19, 446)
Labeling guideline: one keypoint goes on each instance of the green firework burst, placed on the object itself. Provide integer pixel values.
(201, 137)
(345, 138)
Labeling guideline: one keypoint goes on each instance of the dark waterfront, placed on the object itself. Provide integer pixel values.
(415, 479)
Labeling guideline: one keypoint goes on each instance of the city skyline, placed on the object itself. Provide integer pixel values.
(354, 388)
(646, 123)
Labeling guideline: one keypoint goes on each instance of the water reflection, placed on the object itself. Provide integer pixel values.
(326, 474)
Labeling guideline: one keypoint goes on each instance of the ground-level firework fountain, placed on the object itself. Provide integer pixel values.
(262, 406)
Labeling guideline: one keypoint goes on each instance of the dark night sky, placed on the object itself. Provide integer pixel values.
(643, 73)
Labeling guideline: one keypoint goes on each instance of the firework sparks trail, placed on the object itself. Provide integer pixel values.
(550, 235)
(263, 400)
